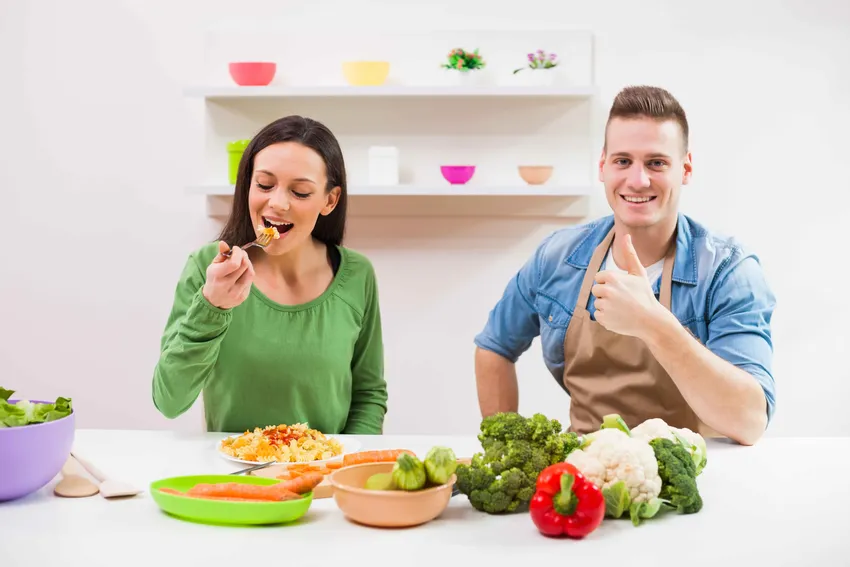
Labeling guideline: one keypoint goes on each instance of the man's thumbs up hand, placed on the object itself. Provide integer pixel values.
(625, 303)
(630, 257)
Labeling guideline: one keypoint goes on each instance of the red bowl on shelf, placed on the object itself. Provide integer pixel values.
(457, 174)
(252, 73)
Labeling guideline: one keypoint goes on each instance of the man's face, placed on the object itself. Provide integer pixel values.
(643, 168)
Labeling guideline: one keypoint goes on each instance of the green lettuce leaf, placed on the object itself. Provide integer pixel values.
(25, 412)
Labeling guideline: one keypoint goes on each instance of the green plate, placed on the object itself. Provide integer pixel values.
(222, 511)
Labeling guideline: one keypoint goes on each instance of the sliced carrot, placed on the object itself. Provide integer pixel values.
(227, 498)
(272, 493)
(334, 465)
(378, 456)
(303, 484)
(204, 496)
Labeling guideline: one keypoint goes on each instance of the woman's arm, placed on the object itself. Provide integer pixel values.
(369, 395)
(189, 346)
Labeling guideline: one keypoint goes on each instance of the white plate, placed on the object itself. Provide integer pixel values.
(348, 446)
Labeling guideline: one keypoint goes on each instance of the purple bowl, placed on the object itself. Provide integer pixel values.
(32, 455)
(457, 174)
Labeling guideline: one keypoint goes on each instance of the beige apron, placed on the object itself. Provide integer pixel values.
(606, 372)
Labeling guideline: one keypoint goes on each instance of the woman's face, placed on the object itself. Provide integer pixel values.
(288, 192)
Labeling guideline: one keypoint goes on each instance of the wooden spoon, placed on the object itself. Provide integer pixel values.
(108, 488)
(73, 484)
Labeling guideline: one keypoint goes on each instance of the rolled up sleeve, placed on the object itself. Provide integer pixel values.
(739, 313)
(513, 323)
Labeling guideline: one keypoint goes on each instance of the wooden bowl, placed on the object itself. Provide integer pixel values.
(535, 174)
(386, 508)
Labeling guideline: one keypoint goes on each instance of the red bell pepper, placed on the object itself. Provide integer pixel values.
(566, 503)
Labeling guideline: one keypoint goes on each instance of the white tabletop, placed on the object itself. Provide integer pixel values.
(780, 502)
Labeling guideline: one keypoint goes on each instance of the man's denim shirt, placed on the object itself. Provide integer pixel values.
(719, 292)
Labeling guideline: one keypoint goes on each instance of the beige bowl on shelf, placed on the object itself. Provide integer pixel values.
(386, 508)
(535, 174)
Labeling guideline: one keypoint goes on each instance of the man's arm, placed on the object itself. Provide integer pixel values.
(511, 327)
(495, 377)
(725, 397)
(727, 382)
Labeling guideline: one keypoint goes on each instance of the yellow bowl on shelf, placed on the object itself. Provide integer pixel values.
(366, 73)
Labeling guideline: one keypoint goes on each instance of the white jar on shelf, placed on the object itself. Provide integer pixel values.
(383, 165)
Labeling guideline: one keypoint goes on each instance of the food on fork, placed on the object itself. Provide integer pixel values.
(270, 231)
(282, 444)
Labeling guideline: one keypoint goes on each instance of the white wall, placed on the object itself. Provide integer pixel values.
(98, 144)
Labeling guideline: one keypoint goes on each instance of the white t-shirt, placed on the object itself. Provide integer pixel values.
(653, 272)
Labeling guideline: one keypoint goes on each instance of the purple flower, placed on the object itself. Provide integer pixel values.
(531, 57)
(552, 56)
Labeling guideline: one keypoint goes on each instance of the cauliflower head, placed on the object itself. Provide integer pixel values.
(610, 455)
(657, 428)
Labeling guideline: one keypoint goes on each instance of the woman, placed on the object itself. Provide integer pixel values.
(286, 334)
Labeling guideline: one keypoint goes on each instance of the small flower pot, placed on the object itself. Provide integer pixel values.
(464, 78)
(539, 77)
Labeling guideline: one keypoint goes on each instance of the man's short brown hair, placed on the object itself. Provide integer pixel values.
(648, 102)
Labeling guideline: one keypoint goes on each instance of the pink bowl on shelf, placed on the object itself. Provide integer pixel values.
(457, 174)
(252, 73)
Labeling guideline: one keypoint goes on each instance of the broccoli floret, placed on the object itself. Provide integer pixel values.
(511, 492)
(516, 450)
(490, 502)
(474, 477)
(559, 446)
(501, 456)
(537, 460)
(504, 427)
(678, 476)
(494, 455)
(543, 428)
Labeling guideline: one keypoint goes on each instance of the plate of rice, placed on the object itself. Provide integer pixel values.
(285, 444)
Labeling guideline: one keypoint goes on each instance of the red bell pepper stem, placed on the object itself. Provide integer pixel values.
(565, 502)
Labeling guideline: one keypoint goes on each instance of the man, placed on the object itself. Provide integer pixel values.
(645, 313)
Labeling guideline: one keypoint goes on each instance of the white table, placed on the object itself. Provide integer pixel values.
(781, 502)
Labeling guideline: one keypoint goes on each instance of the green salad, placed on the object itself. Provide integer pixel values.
(25, 412)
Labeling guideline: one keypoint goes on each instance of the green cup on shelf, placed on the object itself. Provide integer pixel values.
(235, 150)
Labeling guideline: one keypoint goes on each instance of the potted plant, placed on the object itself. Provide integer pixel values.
(462, 65)
(541, 65)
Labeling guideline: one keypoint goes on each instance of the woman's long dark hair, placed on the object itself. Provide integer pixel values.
(330, 228)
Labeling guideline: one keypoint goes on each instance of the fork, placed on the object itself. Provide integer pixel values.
(254, 468)
(262, 241)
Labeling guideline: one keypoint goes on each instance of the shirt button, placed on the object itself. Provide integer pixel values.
(550, 318)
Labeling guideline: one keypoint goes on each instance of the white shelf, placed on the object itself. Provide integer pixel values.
(469, 190)
(235, 92)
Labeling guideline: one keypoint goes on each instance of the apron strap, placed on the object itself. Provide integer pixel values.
(592, 268)
(665, 295)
